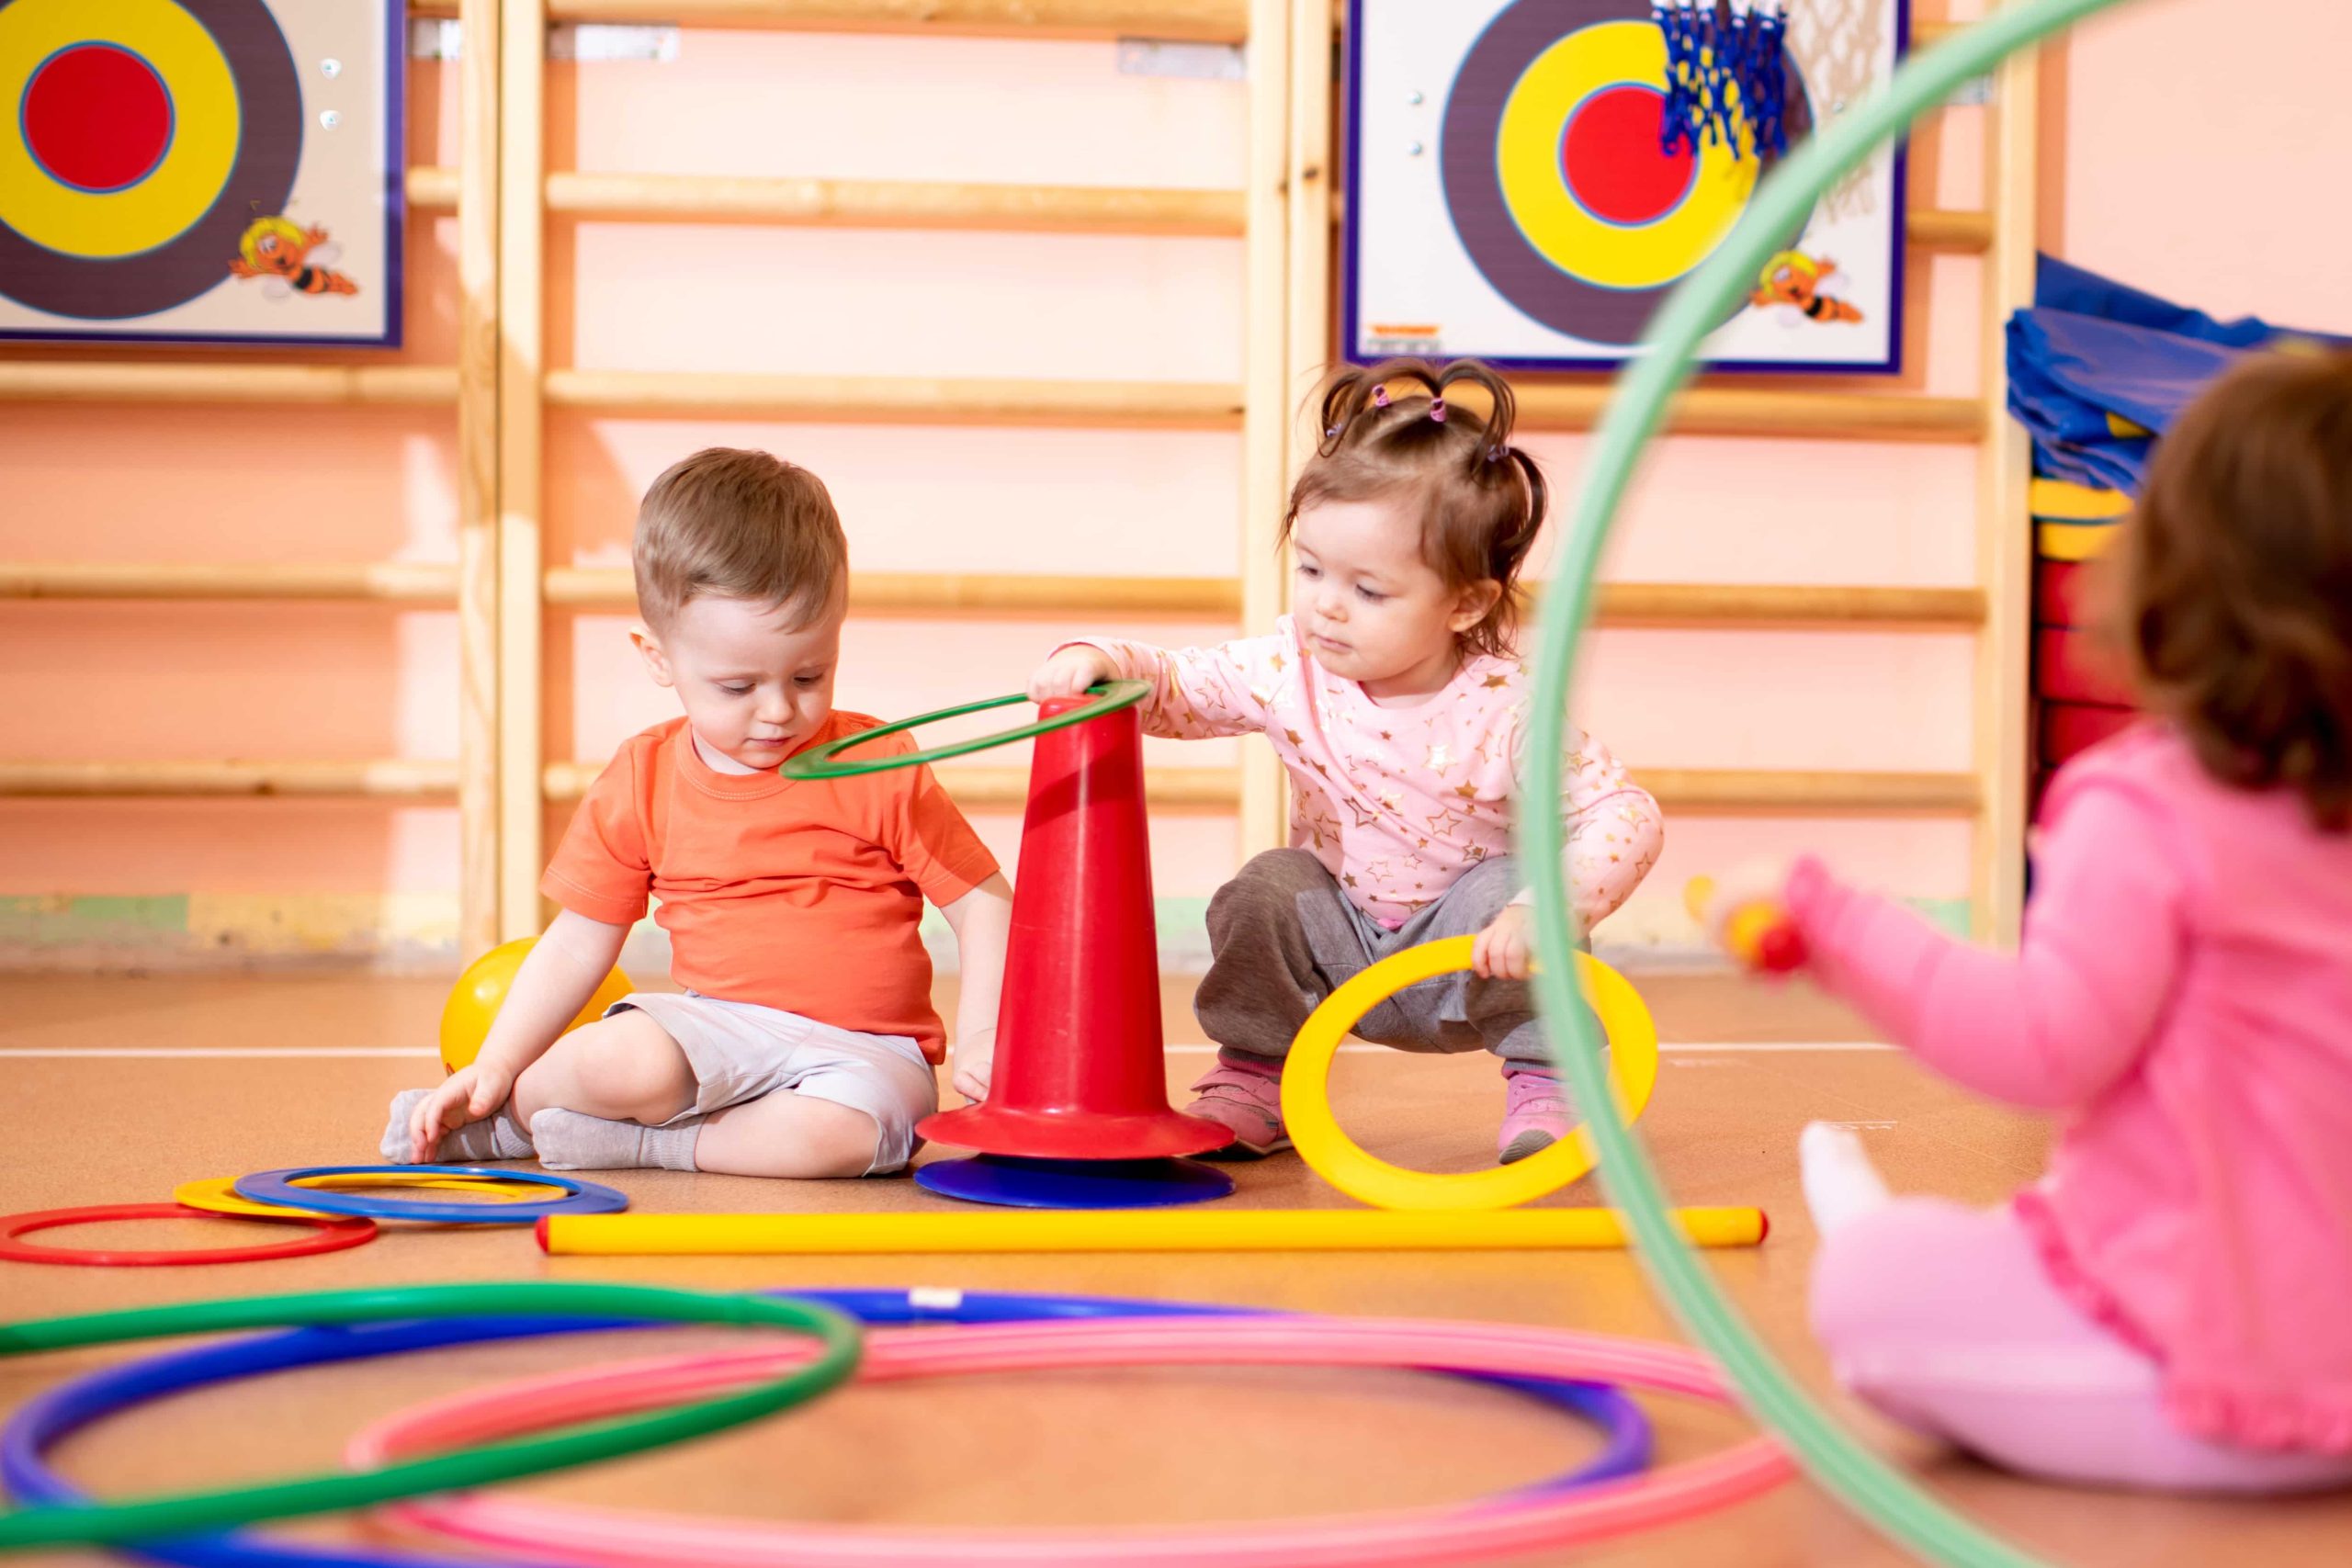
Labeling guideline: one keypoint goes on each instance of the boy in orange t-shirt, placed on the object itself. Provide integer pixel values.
(805, 1042)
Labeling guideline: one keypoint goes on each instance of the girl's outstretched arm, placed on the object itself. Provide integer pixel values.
(1197, 693)
(2055, 1025)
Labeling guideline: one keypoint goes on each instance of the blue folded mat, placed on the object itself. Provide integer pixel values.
(2099, 369)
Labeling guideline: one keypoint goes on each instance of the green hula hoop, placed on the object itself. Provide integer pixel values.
(1862, 1482)
(839, 1337)
(818, 761)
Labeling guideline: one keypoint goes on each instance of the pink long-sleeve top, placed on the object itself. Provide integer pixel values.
(2183, 999)
(1399, 802)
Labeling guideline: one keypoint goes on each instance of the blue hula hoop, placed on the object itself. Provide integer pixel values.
(59, 1413)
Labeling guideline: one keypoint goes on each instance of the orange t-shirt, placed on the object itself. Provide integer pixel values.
(802, 894)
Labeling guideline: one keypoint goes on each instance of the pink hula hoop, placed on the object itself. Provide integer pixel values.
(611, 1537)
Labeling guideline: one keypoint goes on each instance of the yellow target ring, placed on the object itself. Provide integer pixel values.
(1527, 155)
(218, 1195)
(206, 125)
(1341, 1161)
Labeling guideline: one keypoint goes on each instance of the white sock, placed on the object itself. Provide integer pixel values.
(1840, 1183)
(495, 1136)
(568, 1140)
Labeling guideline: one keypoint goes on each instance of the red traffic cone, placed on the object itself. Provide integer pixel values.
(1079, 1072)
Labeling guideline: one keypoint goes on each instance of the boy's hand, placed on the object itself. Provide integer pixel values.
(1505, 949)
(467, 1095)
(1069, 671)
(975, 1056)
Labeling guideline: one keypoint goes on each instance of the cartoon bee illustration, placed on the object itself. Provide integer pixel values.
(289, 258)
(1796, 286)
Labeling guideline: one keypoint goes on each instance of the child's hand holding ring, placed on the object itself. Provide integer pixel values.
(1741, 913)
(1505, 949)
(1069, 671)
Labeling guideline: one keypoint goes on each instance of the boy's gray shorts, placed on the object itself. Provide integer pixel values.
(742, 1051)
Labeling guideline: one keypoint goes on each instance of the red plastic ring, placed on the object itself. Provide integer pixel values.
(333, 1235)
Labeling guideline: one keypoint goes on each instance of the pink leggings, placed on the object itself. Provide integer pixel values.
(1941, 1316)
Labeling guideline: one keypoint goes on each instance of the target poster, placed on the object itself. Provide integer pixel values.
(1509, 195)
(201, 171)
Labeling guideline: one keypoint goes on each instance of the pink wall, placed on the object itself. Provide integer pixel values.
(2200, 155)
(91, 482)
(2219, 205)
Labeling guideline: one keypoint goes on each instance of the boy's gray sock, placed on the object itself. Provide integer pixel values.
(569, 1141)
(496, 1136)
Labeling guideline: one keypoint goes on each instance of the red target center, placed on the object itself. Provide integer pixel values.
(1610, 157)
(96, 116)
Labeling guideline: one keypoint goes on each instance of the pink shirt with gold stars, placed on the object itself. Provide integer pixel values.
(1399, 802)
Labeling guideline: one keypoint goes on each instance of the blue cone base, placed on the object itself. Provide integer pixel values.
(1012, 1181)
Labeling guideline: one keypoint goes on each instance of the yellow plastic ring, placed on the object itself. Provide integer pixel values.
(219, 1194)
(1340, 1160)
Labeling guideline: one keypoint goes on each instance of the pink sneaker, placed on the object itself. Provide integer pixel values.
(1535, 1113)
(1249, 1102)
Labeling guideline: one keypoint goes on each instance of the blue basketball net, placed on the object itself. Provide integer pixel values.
(1727, 76)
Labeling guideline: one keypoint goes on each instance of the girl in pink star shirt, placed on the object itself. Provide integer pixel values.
(1392, 699)
(2170, 1306)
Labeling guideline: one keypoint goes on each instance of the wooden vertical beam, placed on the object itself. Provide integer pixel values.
(2004, 539)
(1314, 29)
(1266, 402)
(478, 802)
(1306, 338)
(522, 331)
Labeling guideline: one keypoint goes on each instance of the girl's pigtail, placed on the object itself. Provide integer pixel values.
(1350, 393)
(1537, 504)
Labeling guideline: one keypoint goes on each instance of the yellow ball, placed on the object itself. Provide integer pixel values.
(482, 991)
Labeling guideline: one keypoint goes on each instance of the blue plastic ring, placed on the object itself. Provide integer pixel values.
(52, 1417)
(278, 1187)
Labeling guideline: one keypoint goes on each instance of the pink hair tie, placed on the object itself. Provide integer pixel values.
(1380, 397)
(1437, 410)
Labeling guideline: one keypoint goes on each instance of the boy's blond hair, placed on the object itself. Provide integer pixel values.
(731, 524)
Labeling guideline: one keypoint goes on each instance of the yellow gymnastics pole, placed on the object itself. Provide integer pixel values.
(1062, 1230)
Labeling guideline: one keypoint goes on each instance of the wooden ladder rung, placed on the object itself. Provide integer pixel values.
(900, 398)
(1713, 790)
(389, 780)
(406, 583)
(1684, 604)
(174, 381)
(1213, 21)
(1715, 410)
(1719, 792)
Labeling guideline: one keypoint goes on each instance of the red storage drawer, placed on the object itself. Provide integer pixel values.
(2070, 667)
(2062, 594)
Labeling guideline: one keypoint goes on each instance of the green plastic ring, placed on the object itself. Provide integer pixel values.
(818, 761)
(840, 1340)
(1864, 1482)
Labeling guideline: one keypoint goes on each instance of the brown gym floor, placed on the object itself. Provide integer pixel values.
(117, 1089)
